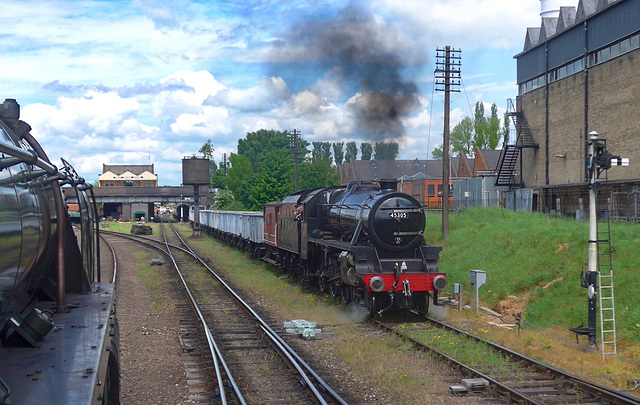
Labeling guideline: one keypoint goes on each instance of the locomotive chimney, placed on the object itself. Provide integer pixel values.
(388, 184)
(10, 110)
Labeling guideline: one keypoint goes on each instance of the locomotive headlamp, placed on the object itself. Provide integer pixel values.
(376, 283)
(440, 282)
(591, 291)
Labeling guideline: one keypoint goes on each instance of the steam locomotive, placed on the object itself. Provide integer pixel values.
(361, 243)
(57, 319)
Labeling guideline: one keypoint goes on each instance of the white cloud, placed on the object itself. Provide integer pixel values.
(467, 24)
(267, 93)
(210, 122)
(171, 103)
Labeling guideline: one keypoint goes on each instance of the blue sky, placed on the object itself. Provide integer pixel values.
(140, 82)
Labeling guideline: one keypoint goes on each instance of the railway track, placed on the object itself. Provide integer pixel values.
(521, 380)
(252, 363)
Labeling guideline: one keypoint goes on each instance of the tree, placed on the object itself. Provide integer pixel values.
(224, 200)
(437, 154)
(385, 151)
(256, 144)
(352, 151)
(274, 181)
(366, 150)
(321, 150)
(338, 153)
(207, 149)
(487, 131)
(237, 177)
(505, 130)
(461, 137)
(494, 128)
(318, 173)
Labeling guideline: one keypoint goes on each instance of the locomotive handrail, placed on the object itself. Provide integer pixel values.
(31, 157)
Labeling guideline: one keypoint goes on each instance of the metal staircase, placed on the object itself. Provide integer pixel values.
(605, 283)
(511, 153)
(507, 165)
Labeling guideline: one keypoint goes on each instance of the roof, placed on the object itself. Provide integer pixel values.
(392, 169)
(120, 169)
(109, 175)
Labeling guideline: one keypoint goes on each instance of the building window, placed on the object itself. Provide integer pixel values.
(634, 42)
(625, 45)
(431, 190)
(440, 190)
(615, 50)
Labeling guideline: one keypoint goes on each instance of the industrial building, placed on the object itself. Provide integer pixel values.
(577, 73)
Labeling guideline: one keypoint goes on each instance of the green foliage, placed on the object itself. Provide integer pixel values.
(338, 153)
(539, 259)
(238, 176)
(505, 129)
(437, 153)
(318, 173)
(351, 151)
(385, 151)
(274, 181)
(207, 149)
(225, 201)
(256, 144)
(487, 130)
(367, 150)
(321, 150)
(462, 137)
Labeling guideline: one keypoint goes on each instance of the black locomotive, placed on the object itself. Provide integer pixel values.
(56, 317)
(362, 243)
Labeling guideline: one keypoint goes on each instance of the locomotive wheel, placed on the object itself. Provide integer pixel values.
(373, 310)
(422, 304)
(345, 295)
(334, 289)
(322, 285)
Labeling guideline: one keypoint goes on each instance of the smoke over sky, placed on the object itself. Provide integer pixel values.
(377, 60)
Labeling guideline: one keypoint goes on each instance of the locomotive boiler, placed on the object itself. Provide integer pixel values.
(48, 281)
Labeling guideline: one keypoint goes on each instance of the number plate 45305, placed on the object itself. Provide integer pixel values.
(398, 215)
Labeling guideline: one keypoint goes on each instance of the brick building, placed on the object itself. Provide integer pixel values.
(128, 176)
(577, 73)
(421, 178)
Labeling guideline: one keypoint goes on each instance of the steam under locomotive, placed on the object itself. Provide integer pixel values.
(362, 243)
(57, 323)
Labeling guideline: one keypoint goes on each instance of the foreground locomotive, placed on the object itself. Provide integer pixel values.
(362, 243)
(57, 325)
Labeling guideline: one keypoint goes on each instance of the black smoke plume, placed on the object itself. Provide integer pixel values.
(374, 55)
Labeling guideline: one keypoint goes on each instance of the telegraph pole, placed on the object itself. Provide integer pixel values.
(294, 143)
(447, 77)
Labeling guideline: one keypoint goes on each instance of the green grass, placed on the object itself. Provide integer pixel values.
(537, 258)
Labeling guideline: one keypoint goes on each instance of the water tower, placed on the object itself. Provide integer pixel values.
(195, 172)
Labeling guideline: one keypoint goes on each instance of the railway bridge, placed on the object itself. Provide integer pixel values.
(130, 203)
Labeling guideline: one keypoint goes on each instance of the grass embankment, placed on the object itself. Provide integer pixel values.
(533, 263)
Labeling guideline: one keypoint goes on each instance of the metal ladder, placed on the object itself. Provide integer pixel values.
(605, 286)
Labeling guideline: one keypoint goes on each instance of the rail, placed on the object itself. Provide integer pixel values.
(607, 395)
